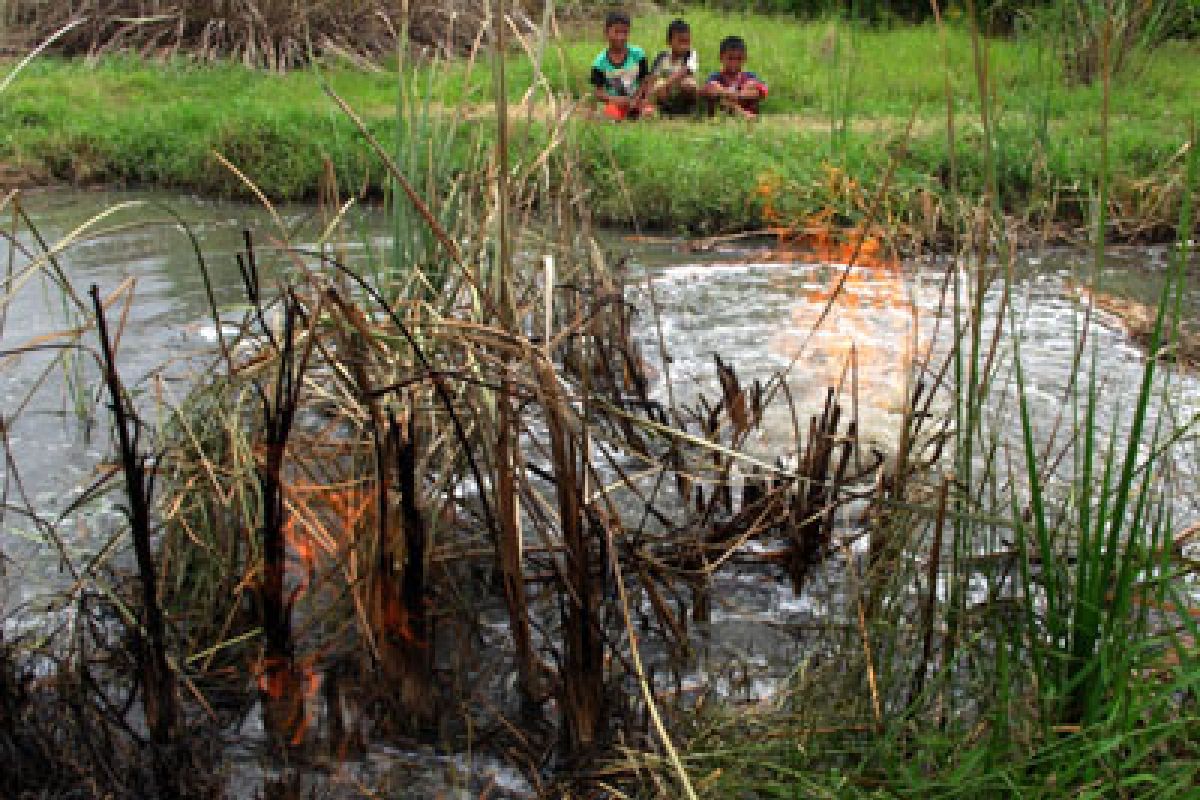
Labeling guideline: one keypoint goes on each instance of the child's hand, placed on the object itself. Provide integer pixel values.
(751, 91)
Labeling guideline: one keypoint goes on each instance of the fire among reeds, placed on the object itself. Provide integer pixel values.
(416, 490)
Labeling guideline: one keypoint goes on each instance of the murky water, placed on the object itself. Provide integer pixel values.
(754, 310)
(143, 259)
(760, 315)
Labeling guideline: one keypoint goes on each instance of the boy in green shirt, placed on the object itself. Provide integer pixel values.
(619, 73)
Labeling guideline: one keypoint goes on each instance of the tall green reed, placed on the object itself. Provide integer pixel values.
(842, 49)
(1089, 596)
(429, 147)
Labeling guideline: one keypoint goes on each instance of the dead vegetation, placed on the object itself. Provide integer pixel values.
(271, 34)
(442, 499)
(444, 469)
(65, 728)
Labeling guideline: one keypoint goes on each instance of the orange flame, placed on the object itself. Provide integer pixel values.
(868, 300)
(394, 619)
(289, 690)
(323, 519)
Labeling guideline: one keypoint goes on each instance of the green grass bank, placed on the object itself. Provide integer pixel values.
(841, 99)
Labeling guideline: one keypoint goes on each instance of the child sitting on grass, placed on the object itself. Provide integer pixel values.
(734, 90)
(619, 73)
(673, 74)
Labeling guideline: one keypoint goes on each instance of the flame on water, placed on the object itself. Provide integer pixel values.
(322, 524)
(289, 690)
(323, 520)
(325, 528)
(869, 324)
(393, 619)
(326, 521)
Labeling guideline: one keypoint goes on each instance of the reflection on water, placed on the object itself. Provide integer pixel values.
(763, 317)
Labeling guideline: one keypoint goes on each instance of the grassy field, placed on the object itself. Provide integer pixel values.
(841, 98)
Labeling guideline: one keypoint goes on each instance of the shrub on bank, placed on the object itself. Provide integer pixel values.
(273, 34)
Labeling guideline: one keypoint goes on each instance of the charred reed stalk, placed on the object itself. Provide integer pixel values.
(160, 697)
(416, 539)
(278, 414)
(582, 680)
(821, 475)
(400, 597)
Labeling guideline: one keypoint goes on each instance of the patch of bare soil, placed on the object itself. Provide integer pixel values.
(1138, 318)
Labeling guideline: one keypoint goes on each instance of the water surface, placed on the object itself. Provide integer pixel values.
(756, 308)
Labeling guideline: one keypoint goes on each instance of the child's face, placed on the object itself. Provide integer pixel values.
(617, 35)
(732, 61)
(681, 43)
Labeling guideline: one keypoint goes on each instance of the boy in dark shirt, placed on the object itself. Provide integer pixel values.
(733, 89)
(619, 73)
(674, 88)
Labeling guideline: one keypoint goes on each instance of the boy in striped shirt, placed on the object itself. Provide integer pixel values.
(674, 88)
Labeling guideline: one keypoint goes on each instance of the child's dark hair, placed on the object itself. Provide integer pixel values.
(678, 26)
(615, 18)
(732, 44)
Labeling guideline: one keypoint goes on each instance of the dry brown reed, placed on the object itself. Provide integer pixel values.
(272, 34)
(448, 465)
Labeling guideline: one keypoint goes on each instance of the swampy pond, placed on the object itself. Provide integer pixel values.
(747, 302)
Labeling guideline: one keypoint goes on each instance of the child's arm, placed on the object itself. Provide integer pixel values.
(684, 71)
(728, 97)
(713, 88)
(644, 82)
(753, 88)
(618, 100)
(662, 67)
(601, 90)
(679, 75)
(731, 102)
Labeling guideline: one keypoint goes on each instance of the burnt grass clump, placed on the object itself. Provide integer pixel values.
(66, 728)
(388, 514)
